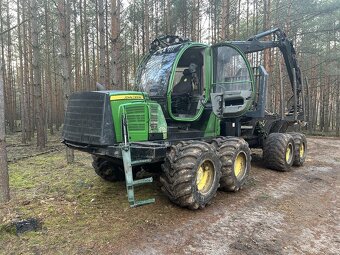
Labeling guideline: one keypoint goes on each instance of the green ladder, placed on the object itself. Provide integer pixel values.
(130, 183)
(128, 164)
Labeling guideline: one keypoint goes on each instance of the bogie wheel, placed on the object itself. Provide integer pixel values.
(108, 170)
(278, 151)
(300, 143)
(234, 154)
(191, 174)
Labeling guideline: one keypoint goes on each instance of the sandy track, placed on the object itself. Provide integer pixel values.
(276, 213)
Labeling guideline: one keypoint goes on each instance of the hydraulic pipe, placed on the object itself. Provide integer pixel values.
(265, 33)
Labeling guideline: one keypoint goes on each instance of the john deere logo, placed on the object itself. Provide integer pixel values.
(125, 97)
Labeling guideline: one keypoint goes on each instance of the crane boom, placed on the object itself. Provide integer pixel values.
(254, 44)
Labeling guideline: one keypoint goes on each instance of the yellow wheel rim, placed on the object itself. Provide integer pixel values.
(205, 176)
(289, 153)
(302, 150)
(240, 165)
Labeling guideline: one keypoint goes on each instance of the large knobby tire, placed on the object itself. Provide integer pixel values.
(235, 157)
(278, 151)
(108, 170)
(191, 174)
(300, 143)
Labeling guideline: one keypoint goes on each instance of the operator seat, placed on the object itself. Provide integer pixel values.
(181, 94)
(184, 86)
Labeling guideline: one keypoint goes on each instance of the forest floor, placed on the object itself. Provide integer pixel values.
(294, 212)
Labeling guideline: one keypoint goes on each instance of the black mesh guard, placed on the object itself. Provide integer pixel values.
(88, 119)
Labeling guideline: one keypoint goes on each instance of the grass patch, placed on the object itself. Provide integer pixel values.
(6, 229)
(79, 211)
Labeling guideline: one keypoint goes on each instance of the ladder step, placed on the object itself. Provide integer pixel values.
(142, 181)
(142, 202)
(129, 182)
(139, 162)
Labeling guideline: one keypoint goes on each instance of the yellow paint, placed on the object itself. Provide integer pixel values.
(240, 165)
(205, 176)
(302, 150)
(289, 153)
(125, 97)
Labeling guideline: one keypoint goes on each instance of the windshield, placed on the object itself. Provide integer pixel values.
(154, 73)
(230, 70)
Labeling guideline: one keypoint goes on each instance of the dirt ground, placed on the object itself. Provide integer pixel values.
(294, 212)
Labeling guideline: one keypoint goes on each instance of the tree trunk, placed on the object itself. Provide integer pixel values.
(87, 52)
(267, 56)
(94, 64)
(25, 113)
(167, 17)
(194, 20)
(4, 178)
(224, 22)
(116, 77)
(36, 62)
(56, 97)
(3, 64)
(48, 83)
(30, 92)
(81, 10)
(10, 86)
(101, 28)
(77, 66)
(247, 19)
(327, 89)
(146, 25)
(21, 85)
(107, 44)
(64, 28)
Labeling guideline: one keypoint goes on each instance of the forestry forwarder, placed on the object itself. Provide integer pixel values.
(197, 111)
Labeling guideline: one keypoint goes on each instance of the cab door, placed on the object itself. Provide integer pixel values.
(232, 91)
(186, 90)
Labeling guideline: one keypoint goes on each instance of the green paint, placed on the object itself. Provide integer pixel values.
(143, 116)
(212, 129)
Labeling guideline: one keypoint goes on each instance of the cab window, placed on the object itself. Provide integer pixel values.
(230, 70)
